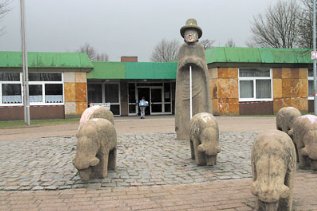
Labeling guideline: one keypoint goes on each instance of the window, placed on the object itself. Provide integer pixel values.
(10, 88)
(11, 94)
(112, 95)
(255, 84)
(36, 93)
(44, 88)
(310, 84)
(53, 93)
(94, 93)
(100, 93)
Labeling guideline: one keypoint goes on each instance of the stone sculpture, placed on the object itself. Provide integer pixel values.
(191, 54)
(285, 118)
(305, 139)
(96, 149)
(273, 161)
(204, 139)
(96, 112)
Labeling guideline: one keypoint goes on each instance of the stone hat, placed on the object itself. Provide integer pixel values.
(191, 24)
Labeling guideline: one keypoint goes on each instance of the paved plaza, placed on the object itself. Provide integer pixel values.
(154, 172)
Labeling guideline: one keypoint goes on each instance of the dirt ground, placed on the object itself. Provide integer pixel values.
(132, 125)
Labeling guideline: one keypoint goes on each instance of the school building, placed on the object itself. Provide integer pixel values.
(243, 81)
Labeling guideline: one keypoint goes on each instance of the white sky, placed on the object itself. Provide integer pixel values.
(125, 27)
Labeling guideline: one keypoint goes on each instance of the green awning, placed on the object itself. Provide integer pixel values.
(107, 70)
(133, 70)
(258, 55)
(46, 60)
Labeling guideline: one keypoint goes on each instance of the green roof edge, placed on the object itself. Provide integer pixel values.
(13, 59)
(258, 55)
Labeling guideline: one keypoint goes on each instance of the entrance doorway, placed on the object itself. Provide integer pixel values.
(159, 96)
(144, 92)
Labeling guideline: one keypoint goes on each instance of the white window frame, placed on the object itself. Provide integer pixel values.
(11, 82)
(43, 90)
(254, 79)
(34, 83)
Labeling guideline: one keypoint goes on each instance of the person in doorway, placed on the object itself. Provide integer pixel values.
(143, 104)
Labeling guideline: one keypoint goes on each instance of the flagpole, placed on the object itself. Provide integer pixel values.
(25, 74)
(190, 93)
(314, 49)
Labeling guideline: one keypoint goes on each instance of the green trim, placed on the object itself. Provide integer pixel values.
(107, 70)
(258, 55)
(46, 60)
(151, 70)
(133, 70)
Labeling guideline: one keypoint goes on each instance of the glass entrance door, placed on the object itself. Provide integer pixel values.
(156, 100)
(144, 92)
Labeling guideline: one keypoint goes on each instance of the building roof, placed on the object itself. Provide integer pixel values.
(258, 55)
(46, 60)
(154, 70)
(133, 70)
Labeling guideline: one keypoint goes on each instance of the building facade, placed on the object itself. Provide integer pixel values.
(243, 81)
(250, 81)
(57, 85)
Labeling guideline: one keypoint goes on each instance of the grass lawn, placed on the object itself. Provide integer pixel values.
(42, 122)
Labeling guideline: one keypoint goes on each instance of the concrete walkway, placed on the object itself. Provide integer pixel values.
(154, 171)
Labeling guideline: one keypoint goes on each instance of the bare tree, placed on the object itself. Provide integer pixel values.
(278, 28)
(230, 43)
(165, 51)
(305, 26)
(207, 43)
(102, 57)
(4, 10)
(92, 53)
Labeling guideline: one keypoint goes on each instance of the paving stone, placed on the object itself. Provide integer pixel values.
(142, 160)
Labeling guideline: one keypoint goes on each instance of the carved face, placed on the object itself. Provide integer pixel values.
(191, 36)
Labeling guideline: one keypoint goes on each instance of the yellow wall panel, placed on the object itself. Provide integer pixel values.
(81, 92)
(227, 88)
(303, 73)
(287, 73)
(277, 88)
(70, 92)
(277, 73)
(228, 73)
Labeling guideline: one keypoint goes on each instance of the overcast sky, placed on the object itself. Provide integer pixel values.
(126, 27)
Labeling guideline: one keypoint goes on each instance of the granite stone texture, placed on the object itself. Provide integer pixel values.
(294, 88)
(227, 88)
(70, 108)
(299, 103)
(224, 89)
(81, 92)
(80, 77)
(70, 91)
(191, 55)
(290, 88)
(75, 93)
(69, 77)
(80, 107)
(228, 73)
(277, 88)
